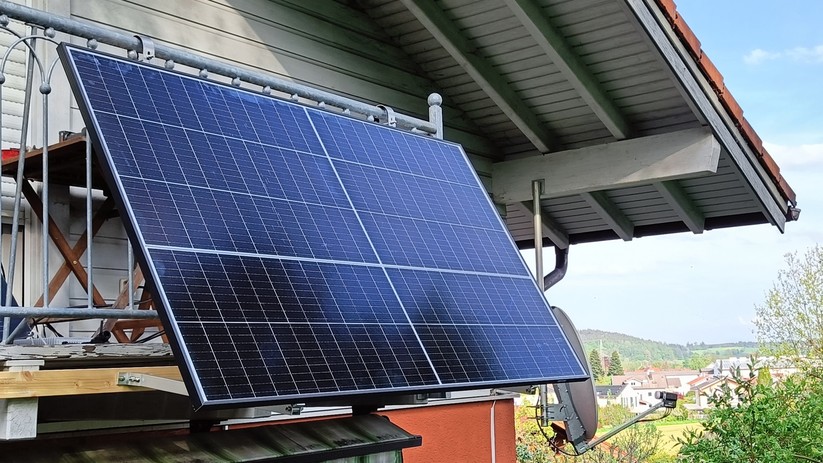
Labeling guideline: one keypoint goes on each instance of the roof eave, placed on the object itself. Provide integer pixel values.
(702, 85)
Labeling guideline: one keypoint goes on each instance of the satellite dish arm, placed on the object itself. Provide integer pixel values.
(667, 400)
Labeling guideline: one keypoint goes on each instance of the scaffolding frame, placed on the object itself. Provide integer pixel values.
(42, 28)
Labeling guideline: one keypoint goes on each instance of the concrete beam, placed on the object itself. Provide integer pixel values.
(639, 161)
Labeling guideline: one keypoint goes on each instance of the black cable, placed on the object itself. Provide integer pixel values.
(149, 338)
(53, 330)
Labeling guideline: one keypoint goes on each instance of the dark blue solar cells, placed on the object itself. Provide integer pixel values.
(418, 243)
(373, 145)
(297, 254)
(392, 193)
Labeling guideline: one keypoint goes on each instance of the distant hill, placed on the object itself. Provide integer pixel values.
(636, 352)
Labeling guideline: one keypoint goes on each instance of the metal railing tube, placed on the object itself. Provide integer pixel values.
(72, 312)
(165, 52)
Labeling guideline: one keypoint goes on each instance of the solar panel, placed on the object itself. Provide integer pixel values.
(297, 254)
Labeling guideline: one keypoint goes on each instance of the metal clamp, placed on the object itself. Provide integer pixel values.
(152, 382)
(290, 409)
(391, 118)
(147, 47)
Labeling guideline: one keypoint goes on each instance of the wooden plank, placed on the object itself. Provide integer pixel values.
(533, 17)
(639, 161)
(611, 214)
(450, 37)
(685, 208)
(50, 383)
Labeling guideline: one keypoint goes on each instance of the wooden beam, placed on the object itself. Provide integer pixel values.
(482, 72)
(63, 246)
(48, 383)
(100, 217)
(540, 27)
(551, 230)
(610, 213)
(685, 208)
(639, 161)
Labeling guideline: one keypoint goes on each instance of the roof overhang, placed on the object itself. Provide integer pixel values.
(595, 98)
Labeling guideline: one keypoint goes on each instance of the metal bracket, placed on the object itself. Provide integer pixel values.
(556, 412)
(391, 118)
(291, 409)
(147, 47)
(152, 382)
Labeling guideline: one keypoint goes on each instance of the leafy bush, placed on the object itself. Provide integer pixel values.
(761, 422)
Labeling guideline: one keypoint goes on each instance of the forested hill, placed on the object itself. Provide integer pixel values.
(632, 348)
(637, 352)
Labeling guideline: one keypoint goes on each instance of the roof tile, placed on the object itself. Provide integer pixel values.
(685, 33)
(732, 106)
(754, 140)
(669, 9)
(715, 78)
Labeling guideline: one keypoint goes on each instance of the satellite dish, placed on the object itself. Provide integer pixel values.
(580, 396)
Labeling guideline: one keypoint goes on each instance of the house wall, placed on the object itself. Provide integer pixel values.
(467, 432)
(323, 44)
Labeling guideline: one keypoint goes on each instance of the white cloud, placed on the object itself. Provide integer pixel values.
(797, 155)
(758, 56)
(806, 55)
(800, 54)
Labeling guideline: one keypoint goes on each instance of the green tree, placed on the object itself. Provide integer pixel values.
(615, 365)
(697, 361)
(638, 444)
(790, 322)
(596, 365)
(612, 415)
(761, 422)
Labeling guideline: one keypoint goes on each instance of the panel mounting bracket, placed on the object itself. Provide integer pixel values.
(158, 383)
(290, 409)
(147, 45)
(391, 118)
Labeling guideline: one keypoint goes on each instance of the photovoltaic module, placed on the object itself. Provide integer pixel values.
(297, 254)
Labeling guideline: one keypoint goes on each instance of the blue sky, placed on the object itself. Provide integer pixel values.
(691, 288)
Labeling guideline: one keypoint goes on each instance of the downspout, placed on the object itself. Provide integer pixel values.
(561, 263)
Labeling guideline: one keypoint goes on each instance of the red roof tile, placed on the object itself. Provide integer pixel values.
(715, 79)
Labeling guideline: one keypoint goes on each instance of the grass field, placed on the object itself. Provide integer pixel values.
(671, 431)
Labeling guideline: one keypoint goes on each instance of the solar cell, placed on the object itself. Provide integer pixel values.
(297, 254)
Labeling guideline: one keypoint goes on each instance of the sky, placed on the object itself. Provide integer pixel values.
(691, 288)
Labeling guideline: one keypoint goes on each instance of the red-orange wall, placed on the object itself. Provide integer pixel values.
(459, 433)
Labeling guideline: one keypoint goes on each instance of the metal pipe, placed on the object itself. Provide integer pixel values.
(561, 264)
(45, 194)
(89, 219)
(21, 159)
(17, 329)
(6, 320)
(130, 42)
(130, 277)
(436, 113)
(67, 312)
(537, 190)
